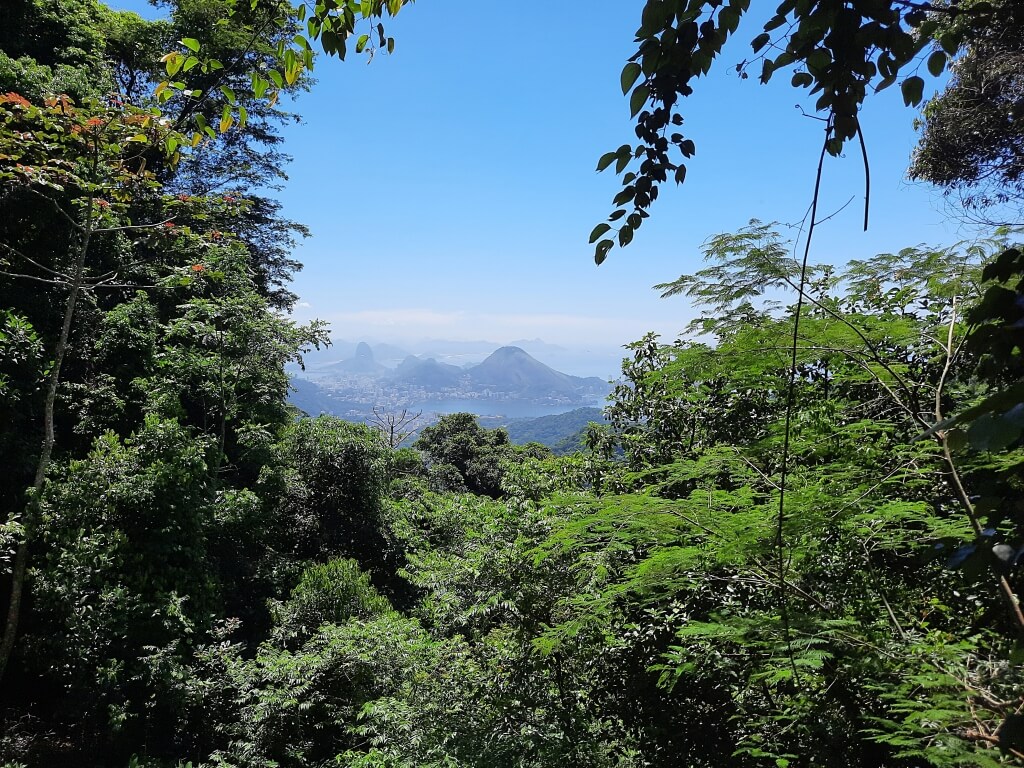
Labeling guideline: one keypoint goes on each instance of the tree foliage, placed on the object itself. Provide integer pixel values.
(971, 144)
(200, 577)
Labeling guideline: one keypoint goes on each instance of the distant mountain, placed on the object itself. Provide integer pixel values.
(509, 375)
(429, 374)
(389, 354)
(309, 398)
(561, 432)
(362, 362)
(573, 360)
(341, 350)
(512, 370)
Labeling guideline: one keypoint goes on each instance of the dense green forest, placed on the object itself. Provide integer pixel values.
(795, 542)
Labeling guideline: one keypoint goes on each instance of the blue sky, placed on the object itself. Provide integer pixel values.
(451, 188)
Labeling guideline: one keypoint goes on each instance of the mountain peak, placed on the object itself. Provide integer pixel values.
(512, 369)
(509, 351)
(360, 363)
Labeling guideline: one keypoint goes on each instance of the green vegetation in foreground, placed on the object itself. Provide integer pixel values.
(192, 575)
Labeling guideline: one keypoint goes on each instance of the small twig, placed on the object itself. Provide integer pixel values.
(977, 735)
(65, 281)
(757, 469)
(32, 261)
(76, 225)
(105, 230)
(870, 490)
(892, 617)
(837, 211)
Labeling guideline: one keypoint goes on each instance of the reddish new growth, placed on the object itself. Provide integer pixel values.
(168, 224)
(216, 235)
(102, 204)
(198, 267)
(14, 98)
(184, 198)
(229, 198)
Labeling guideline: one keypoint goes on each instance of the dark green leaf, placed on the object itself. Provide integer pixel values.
(606, 159)
(638, 99)
(950, 43)
(913, 90)
(599, 230)
(993, 432)
(630, 73)
(937, 63)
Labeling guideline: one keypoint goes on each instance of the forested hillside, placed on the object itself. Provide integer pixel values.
(795, 542)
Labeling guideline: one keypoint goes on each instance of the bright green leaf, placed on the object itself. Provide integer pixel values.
(226, 120)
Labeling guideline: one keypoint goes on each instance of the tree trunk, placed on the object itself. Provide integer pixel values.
(31, 512)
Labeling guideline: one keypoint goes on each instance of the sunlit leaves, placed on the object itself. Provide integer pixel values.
(46, 144)
(227, 119)
(330, 23)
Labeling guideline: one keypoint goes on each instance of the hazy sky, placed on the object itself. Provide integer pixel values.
(451, 189)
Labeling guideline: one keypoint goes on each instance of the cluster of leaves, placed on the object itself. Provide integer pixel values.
(463, 456)
(971, 144)
(872, 630)
(269, 53)
(840, 50)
